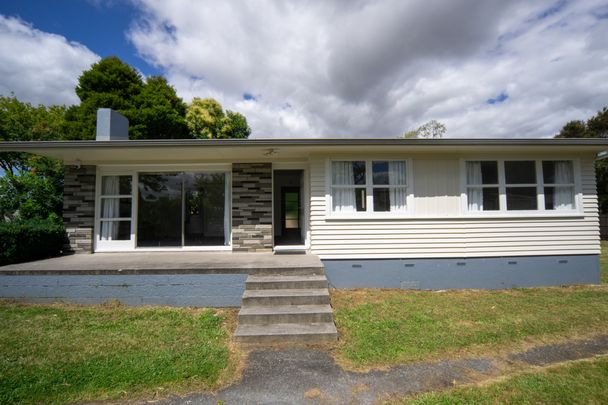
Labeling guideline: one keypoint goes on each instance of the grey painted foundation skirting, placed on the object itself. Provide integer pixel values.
(484, 273)
(180, 290)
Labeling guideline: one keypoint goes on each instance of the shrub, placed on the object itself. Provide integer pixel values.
(22, 241)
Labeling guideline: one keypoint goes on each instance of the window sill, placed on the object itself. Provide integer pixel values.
(367, 216)
(111, 249)
(466, 216)
(526, 214)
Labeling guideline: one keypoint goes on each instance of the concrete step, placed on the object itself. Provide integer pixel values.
(310, 333)
(308, 296)
(287, 271)
(285, 282)
(256, 315)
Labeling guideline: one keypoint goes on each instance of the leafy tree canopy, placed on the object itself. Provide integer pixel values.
(594, 127)
(160, 113)
(152, 106)
(206, 119)
(31, 186)
(432, 129)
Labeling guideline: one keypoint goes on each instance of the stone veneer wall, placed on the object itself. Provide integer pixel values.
(79, 208)
(252, 207)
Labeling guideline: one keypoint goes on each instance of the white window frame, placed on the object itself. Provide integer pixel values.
(113, 245)
(555, 185)
(521, 185)
(540, 190)
(369, 213)
(467, 186)
(134, 171)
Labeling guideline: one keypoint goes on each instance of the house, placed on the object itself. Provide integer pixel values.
(390, 213)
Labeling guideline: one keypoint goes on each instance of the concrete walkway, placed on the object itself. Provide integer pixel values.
(306, 376)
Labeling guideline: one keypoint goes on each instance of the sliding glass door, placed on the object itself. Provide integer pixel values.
(205, 220)
(182, 209)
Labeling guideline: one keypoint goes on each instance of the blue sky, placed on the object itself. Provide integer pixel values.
(366, 68)
(101, 26)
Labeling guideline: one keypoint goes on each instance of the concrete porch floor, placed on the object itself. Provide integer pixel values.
(166, 263)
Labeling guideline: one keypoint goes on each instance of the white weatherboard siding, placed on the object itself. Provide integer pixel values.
(437, 228)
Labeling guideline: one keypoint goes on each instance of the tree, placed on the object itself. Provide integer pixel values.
(235, 126)
(152, 106)
(109, 83)
(160, 112)
(31, 186)
(206, 119)
(573, 129)
(432, 129)
(594, 127)
(598, 124)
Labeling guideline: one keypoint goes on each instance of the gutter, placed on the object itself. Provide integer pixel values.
(302, 142)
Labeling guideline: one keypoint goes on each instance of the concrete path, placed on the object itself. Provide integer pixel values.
(307, 376)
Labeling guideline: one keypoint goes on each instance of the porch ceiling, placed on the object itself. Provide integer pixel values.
(257, 150)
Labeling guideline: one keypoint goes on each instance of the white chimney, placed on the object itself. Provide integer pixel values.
(111, 126)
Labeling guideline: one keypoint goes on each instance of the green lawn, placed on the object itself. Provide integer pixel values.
(574, 383)
(389, 327)
(60, 353)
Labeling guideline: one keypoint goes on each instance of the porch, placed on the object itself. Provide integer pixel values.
(182, 262)
(283, 297)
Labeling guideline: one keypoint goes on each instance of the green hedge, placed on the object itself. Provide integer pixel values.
(23, 241)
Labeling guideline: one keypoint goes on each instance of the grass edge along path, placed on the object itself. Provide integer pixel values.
(69, 353)
(574, 382)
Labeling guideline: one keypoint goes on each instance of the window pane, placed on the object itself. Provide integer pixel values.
(382, 200)
(521, 198)
(559, 198)
(380, 173)
(490, 199)
(114, 185)
(115, 230)
(489, 172)
(348, 173)
(396, 173)
(520, 172)
(292, 210)
(160, 210)
(360, 196)
(558, 172)
(482, 199)
(204, 204)
(115, 208)
(359, 172)
(343, 199)
(482, 172)
(398, 197)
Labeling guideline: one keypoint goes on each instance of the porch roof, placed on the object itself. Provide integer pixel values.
(176, 262)
(196, 150)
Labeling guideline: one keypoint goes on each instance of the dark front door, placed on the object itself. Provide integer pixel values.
(291, 217)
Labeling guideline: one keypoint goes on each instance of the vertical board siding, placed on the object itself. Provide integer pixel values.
(449, 234)
(436, 192)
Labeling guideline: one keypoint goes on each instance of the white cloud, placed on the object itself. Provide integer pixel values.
(366, 68)
(39, 67)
